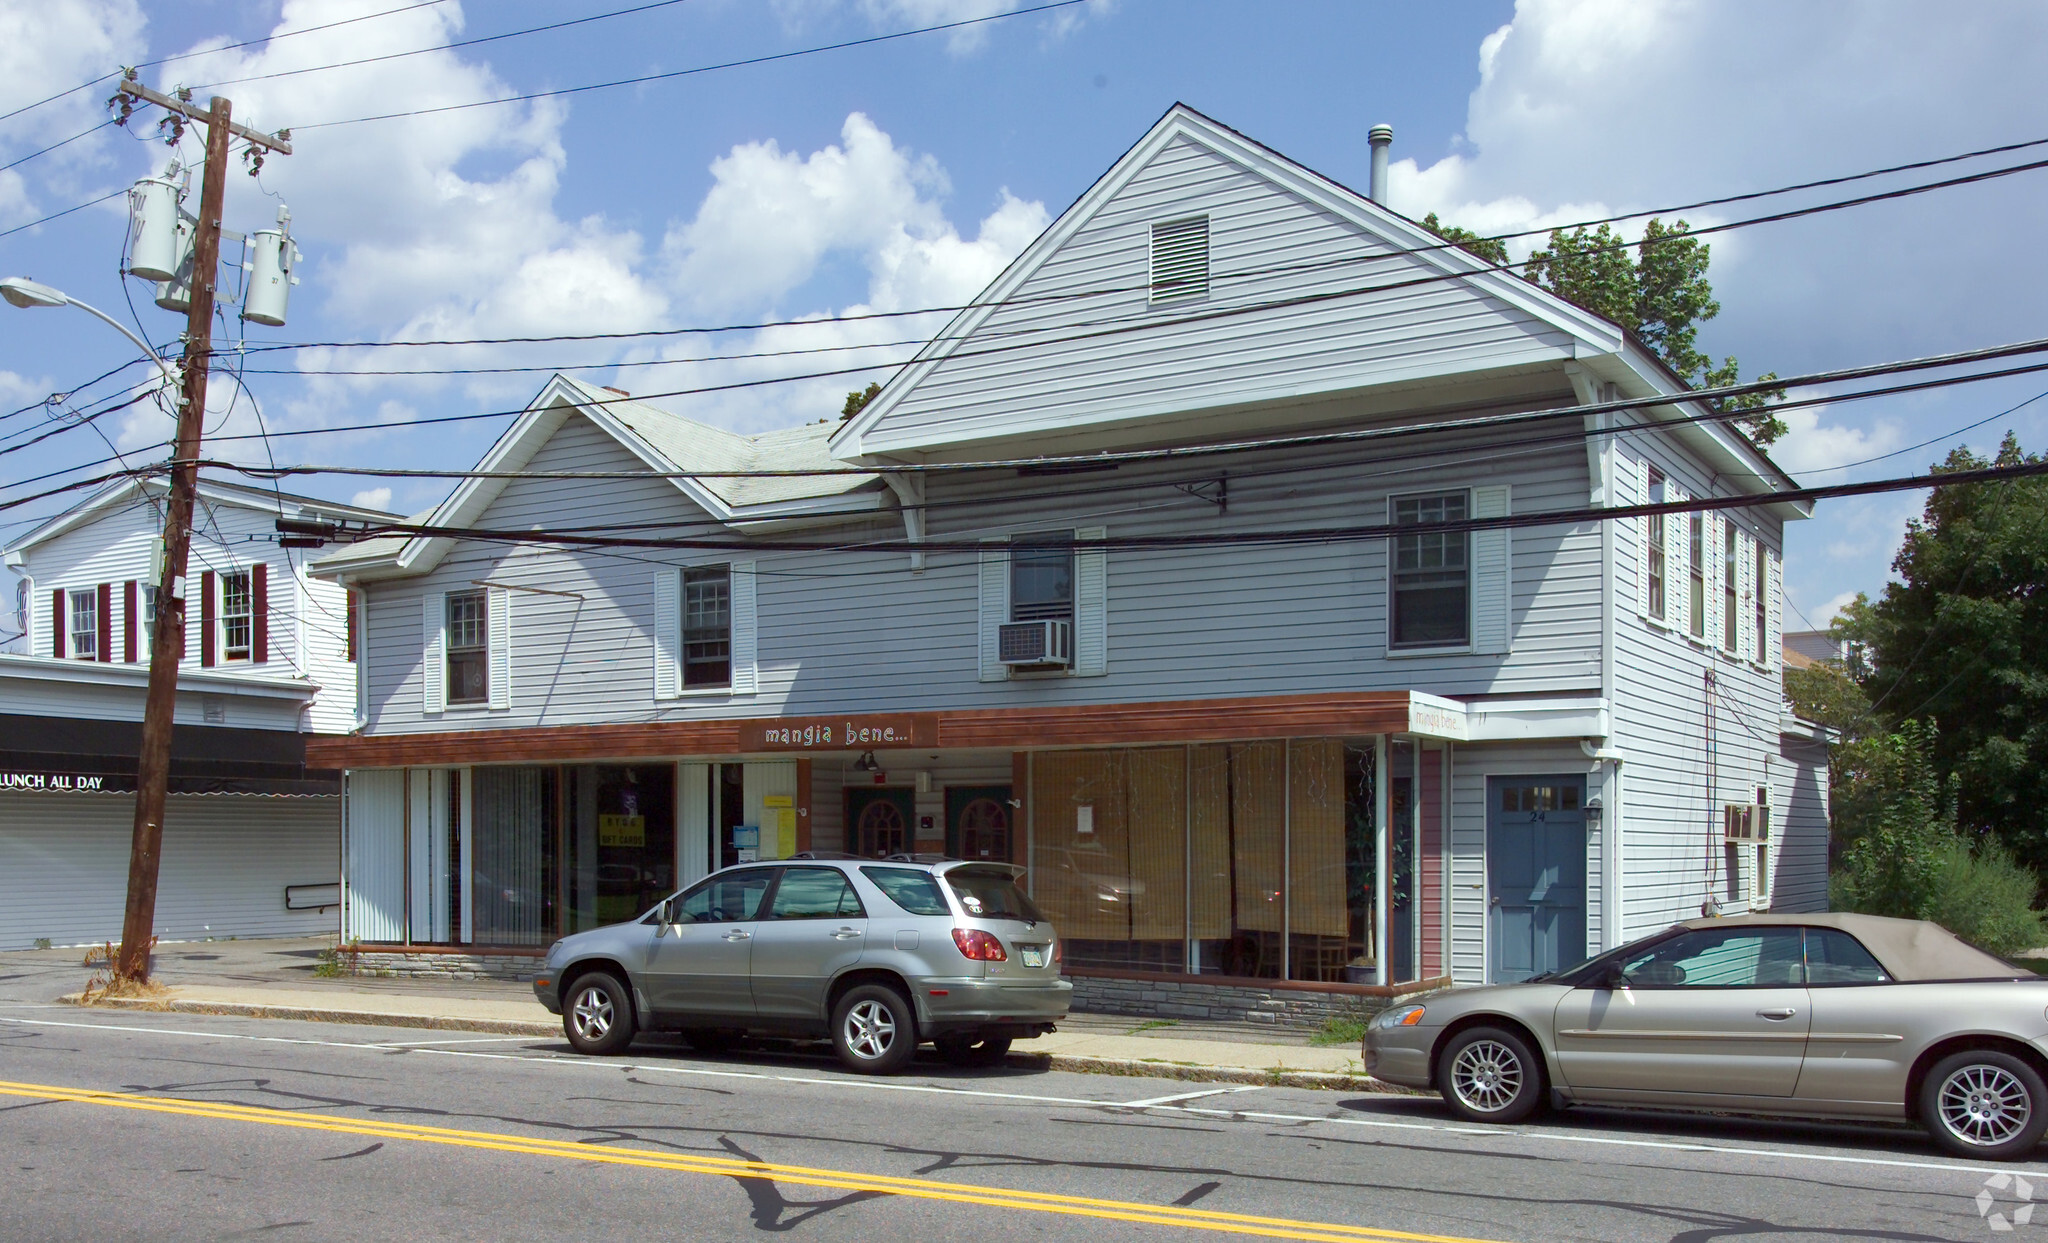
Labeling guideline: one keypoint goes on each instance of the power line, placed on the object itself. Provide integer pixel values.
(56, 215)
(442, 47)
(165, 60)
(683, 73)
(1275, 538)
(62, 142)
(1222, 278)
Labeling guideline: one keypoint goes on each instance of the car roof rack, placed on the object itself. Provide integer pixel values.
(920, 857)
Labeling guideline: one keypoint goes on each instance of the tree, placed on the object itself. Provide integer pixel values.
(1663, 297)
(858, 399)
(1960, 638)
(1491, 249)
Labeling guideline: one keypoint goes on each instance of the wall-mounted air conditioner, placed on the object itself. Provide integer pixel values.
(1036, 643)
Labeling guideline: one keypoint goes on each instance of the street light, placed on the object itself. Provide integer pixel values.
(25, 293)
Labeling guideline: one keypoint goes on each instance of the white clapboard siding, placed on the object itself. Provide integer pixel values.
(226, 862)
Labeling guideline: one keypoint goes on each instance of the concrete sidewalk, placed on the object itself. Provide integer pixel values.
(275, 980)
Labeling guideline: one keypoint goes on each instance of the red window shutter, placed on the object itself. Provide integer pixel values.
(106, 616)
(259, 609)
(60, 622)
(131, 622)
(207, 625)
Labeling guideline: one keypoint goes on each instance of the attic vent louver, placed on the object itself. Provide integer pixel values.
(1180, 259)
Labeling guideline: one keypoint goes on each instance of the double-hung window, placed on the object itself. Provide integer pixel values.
(1042, 577)
(707, 626)
(469, 666)
(1653, 551)
(1731, 612)
(237, 616)
(1696, 562)
(1431, 585)
(84, 629)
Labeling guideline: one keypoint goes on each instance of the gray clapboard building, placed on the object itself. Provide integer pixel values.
(1236, 729)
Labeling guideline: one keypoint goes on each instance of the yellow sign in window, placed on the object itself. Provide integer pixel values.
(622, 830)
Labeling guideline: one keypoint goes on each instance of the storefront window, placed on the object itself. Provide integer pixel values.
(512, 881)
(621, 842)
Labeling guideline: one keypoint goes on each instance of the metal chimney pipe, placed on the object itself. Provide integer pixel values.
(1381, 136)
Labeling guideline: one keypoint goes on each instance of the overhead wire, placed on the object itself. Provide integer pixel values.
(58, 215)
(60, 143)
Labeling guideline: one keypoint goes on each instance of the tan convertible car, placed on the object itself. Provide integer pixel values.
(1822, 1015)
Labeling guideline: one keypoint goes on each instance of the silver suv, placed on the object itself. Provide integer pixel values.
(877, 954)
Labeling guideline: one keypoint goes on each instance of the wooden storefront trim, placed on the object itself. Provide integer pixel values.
(1191, 720)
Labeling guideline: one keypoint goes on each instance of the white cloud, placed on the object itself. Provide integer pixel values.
(772, 219)
(372, 498)
(1809, 446)
(45, 48)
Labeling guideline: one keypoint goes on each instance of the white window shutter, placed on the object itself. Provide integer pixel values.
(1745, 628)
(1639, 494)
(1490, 573)
(1710, 551)
(1091, 607)
(1774, 615)
(746, 650)
(434, 649)
(995, 607)
(668, 633)
(498, 607)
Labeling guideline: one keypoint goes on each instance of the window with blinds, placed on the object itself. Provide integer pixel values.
(1180, 259)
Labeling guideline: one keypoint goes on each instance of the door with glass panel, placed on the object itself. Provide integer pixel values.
(879, 821)
(978, 822)
(1536, 873)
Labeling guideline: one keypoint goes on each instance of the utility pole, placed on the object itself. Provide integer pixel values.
(167, 643)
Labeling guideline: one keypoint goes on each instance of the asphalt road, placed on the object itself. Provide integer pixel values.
(120, 1125)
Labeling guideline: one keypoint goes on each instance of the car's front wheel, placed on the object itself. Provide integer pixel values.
(599, 1017)
(1985, 1104)
(874, 1030)
(1490, 1074)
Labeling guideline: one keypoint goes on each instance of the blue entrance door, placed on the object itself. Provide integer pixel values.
(1536, 872)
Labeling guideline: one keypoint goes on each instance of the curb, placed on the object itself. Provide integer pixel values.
(1278, 1077)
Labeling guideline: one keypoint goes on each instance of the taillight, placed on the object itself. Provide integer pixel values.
(979, 946)
(1058, 953)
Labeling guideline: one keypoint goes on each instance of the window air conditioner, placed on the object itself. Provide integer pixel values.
(1746, 822)
(1036, 643)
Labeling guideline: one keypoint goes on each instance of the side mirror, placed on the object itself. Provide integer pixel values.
(665, 916)
(1613, 977)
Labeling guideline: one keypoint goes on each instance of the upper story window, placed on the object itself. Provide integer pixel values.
(237, 616)
(707, 626)
(1431, 583)
(1042, 577)
(469, 677)
(84, 625)
(1696, 562)
(1180, 260)
(1761, 618)
(1731, 613)
(1653, 550)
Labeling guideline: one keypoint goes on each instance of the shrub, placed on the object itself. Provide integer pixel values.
(42, 943)
(1986, 897)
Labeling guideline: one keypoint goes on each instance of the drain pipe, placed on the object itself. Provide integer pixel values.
(1381, 136)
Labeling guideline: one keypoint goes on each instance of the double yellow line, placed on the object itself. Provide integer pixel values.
(729, 1167)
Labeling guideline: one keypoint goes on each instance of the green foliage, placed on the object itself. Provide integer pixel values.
(857, 400)
(1662, 296)
(1960, 638)
(1826, 695)
(1491, 249)
(1986, 897)
(42, 943)
(1339, 1031)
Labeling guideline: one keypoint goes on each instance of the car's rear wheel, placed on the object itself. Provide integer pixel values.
(972, 1050)
(1490, 1074)
(599, 1017)
(874, 1030)
(1986, 1104)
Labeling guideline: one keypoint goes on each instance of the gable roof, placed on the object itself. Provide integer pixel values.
(666, 442)
(215, 491)
(1576, 333)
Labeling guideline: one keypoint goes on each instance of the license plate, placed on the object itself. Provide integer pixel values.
(1033, 955)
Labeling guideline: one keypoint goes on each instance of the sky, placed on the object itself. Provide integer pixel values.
(906, 173)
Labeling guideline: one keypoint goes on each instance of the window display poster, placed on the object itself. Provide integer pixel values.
(621, 830)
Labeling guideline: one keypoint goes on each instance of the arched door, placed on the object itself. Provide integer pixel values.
(978, 822)
(878, 822)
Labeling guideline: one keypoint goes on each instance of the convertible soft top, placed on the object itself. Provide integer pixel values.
(1908, 949)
